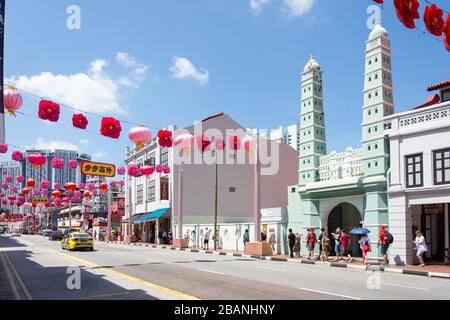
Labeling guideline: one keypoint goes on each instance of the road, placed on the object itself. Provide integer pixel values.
(38, 269)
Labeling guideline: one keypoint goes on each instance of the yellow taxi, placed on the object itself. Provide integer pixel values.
(77, 240)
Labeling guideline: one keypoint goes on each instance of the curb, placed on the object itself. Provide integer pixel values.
(302, 261)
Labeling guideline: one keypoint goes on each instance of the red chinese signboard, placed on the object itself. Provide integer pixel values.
(164, 189)
(98, 169)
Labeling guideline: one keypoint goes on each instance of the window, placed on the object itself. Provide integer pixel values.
(441, 161)
(151, 190)
(414, 171)
(139, 194)
(164, 161)
(446, 95)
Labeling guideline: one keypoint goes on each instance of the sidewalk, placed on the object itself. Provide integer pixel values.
(435, 271)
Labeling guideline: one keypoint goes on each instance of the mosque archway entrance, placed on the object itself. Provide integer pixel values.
(346, 216)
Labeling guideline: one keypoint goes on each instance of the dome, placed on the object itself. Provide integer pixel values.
(311, 65)
(378, 31)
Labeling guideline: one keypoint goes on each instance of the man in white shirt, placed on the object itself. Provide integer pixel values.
(206, 238)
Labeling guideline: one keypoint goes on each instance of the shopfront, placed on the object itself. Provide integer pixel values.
(153, 227)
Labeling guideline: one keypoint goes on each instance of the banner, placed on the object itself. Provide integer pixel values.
(2, 38)
(164, 189)
(98, 169)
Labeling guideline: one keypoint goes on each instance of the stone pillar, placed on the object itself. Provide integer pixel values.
(400, 226)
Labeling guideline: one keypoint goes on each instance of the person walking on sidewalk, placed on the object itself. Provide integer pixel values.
(297, 245)
(345, 244)
(272, 240)
(364, 244)
(384, 243)
(325, 246)
(291, 243)
(206, 238)
(421, 247)
(337, 243)
(311, 240)
(322, 230)
(246, 237)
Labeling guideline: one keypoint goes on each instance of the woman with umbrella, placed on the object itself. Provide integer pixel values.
(364, 242)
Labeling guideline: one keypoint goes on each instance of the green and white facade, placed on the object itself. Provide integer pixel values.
(349, 188)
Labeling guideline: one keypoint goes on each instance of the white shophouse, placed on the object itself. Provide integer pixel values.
(419, 190)
(150, 214)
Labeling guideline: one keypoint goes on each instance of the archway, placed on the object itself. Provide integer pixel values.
(346, 216)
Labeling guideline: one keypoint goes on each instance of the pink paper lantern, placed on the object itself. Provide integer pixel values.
(159, 168)
(81, 185)
(73, 164)
(112, 184)
(166, 169)
(12, 198)
(3, 148)
(90, 186)
(44, 192)
(17, 156)
(219, 143)
(12, 100)
(36, 192)
(20, 179)
(21, 199)
(133, 170)
(77, 194)
(95, 192)
(44, 184)
(37, 160)
(57, 163)
(122, 183)
(5, 186)
(15, 190)
(8, 179)
(147, 170)
(56, 186)
(2, 195)
(121, 170)
(184, 141)
(248, 143)
(140, 136)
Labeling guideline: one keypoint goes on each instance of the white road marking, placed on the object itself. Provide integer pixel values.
(403, 286)
(330, 293)
(272, 269)
(211, 271)
(152, 260)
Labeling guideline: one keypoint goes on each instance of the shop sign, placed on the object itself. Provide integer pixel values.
(98, 169)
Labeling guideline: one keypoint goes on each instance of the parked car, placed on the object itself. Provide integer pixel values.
(55, 235)
(46, 232)
(77, 240)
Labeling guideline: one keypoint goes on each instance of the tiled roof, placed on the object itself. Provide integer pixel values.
(433, 99)
(439, 85)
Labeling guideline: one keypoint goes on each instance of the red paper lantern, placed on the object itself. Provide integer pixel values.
(147, 170)
(25, 191)
(70, 186)
(37, 160)
(103, 186)
(56, 194)
(31, 183)
(86, 194)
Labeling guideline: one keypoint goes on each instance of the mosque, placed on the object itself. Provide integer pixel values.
(349, 188)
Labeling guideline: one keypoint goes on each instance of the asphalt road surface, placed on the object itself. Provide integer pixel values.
(36, 268)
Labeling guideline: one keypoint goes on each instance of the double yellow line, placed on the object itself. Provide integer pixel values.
(13, 277)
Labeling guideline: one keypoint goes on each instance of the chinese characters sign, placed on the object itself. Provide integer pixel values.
(164, 189)
(98, 169)
(40, 200)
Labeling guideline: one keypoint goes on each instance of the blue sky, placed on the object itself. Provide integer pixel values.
(241, 59)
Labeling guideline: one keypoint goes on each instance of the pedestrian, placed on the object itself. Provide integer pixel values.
(337, 243)
(345, 245)
(272, 239)
(311, 240)
(246, 237)
(193, 240)
(291, 243)
(297, 245)
(384, 240)
(326, 247)
(164, 237)
(322, 230)
(263, 236)
(421, 247)
(364, 244)
(206, 238)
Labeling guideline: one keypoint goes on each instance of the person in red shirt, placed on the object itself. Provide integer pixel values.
(383, 241)
(345, 244)
(311, 240)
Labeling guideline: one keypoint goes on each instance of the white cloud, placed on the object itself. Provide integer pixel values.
(182, 68)
(84, 141)
(100, 155)
(93, 90)
(256, 5)
(298, 7)
(291, 7)
(54, 144)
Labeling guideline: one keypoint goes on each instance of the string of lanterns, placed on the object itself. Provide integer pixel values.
(433, 17)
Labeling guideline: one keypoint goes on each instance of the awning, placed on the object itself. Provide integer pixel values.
(151, 216)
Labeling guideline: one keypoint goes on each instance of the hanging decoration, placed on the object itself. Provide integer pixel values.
(73, 164)
(219, 143)
(447, 33)
(25, 191)
(112, 184)
(5, 186)
(70, 186)
(20, 179)
(133, 170)
(80, 121)
(12, 100)
(110, 127)
(8, 179)
(159, 168)
(166, 169)
(56, 186)
(122, 183)
(2, 195)
(49, 110)
(57, 194)
(3, 148)
(37, 160)
(140, 136)
(90, 186)
(36, 192)
(434, 21)
(86, 194)
(44, 184)
(165, 138)
(121, 170)
(81, 185)
(14, 190)
(235, 142)
(103, 187)
(249, 144)
(57, 163)
(184, 142)
(203, 142)
(147, 170)
(17, 156)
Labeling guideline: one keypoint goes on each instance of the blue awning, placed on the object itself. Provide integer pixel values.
(151, 216)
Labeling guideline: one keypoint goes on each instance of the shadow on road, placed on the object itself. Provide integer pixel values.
(31, 279)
